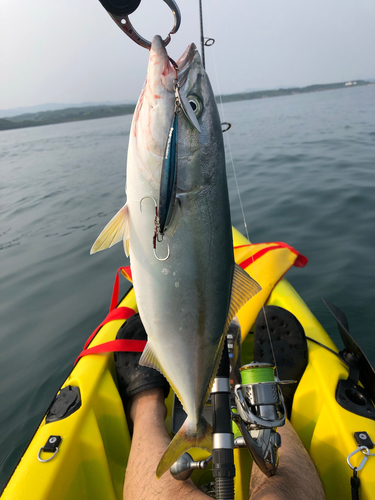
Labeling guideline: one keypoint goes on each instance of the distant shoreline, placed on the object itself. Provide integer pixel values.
(292, 91)
(106, 111)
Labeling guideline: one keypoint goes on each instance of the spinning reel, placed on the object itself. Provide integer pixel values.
(260, 410)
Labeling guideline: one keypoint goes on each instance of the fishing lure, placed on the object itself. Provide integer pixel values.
(164, 209)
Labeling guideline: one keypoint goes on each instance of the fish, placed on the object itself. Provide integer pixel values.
(187, 285)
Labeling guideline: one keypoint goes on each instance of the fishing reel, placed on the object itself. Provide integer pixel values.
(255, 405)
(260, 410)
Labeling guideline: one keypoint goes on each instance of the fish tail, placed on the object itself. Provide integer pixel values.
(183, 441)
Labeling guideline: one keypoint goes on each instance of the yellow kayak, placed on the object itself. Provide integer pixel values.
(91, 441)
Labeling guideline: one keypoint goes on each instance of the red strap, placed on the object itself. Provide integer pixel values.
(247, 245)
(119, 313)
(118, 345)
(300, 261)
(115, 313)
(116, 287)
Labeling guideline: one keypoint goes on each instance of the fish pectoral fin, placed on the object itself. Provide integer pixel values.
(243, 288)
(116, 230)
(183, 441)
(149, 359)
(127, 246)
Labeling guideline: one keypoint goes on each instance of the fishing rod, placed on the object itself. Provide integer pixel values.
(205, 42)
(202, 37)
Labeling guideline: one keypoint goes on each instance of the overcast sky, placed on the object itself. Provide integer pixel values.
(70, 51)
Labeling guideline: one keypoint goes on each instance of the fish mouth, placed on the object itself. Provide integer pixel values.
(160, 60)
(156, 104)
(187, 58)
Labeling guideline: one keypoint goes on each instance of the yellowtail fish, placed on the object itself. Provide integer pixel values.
(176, 226)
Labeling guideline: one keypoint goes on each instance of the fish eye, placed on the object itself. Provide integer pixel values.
(195, 104)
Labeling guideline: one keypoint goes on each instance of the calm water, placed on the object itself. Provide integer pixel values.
(306, 170)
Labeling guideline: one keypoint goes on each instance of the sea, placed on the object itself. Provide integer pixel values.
(305, 170)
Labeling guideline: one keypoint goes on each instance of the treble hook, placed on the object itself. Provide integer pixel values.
(157, 233)
(120, 16)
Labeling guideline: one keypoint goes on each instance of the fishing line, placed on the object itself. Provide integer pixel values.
(239, 193)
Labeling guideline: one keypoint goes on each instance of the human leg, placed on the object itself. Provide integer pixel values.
(143, 391)
(150, 439)
(296, 477)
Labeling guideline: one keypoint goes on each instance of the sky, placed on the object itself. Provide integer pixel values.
(71, 51)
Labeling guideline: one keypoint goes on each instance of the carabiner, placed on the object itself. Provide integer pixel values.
(126, 26)
(364, 459)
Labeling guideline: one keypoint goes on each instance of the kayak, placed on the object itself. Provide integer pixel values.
(81, 447)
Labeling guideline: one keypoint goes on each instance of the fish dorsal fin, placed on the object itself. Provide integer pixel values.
(149, 359)
(116, 230)
(216, 366)
(243, 288)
